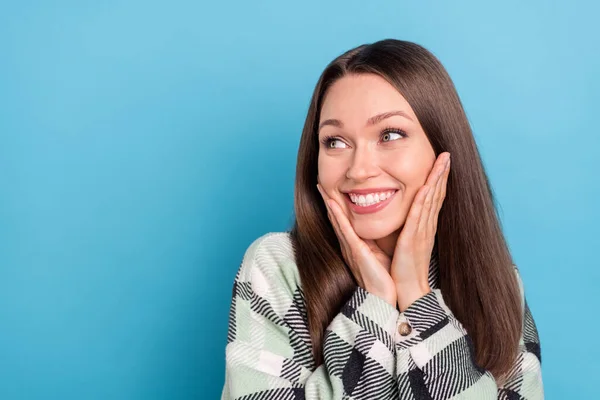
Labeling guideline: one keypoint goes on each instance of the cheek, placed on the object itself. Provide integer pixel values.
(411, 172)
(329, 172)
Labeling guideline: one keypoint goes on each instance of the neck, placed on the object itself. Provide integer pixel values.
(388, 243)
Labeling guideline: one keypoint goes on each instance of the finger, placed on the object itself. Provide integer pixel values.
(344, 246)
(411, 224)
(325, 198)
(348, 239)
(426, 210)
(336, 223)
(323, 194)
(333, 218)
(437, 200)
(373, 246)
(330, 214)
(375, 249)
(343, 234)
(347, 230)
(442, 186)
(442, 196)
(437, 169)
(339, 217)
(434, 179)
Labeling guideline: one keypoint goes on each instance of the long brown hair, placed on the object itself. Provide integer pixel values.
(476, 272)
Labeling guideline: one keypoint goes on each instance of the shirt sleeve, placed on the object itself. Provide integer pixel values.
(437, 359)
(268, 354)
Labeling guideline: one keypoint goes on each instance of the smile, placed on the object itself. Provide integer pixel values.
(370, 203)
(371, 198)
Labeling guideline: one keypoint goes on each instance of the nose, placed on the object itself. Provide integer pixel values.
(363, 165)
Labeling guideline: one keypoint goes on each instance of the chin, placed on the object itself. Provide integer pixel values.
(375, 231)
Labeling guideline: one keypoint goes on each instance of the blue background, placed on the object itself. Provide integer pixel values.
(144, 145)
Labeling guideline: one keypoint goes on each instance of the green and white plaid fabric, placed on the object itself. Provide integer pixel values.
(268, 354)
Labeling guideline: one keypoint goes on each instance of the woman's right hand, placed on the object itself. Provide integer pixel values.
(368, 263)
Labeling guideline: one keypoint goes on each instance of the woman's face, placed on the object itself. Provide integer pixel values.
(375, 146)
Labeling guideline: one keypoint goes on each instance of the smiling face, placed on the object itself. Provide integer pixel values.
(370, 141)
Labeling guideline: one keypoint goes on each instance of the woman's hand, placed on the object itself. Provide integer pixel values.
(412, 255)
(368, 263)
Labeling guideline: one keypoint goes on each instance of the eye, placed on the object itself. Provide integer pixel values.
(330, 142)
(391, 134)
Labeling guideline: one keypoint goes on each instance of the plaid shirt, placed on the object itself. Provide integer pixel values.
(371, 350)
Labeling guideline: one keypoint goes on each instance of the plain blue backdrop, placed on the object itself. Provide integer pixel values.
(144, 145)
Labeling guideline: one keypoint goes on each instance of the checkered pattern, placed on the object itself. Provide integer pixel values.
(268, 352)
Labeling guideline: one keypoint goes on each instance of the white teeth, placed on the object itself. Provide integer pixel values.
(371, 198)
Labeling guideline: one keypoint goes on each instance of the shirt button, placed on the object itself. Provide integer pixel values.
(404, 329)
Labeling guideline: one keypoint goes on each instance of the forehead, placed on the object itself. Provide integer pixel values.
(356, 97)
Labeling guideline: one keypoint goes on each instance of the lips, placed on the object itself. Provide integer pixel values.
(373, 208)
(369, 190)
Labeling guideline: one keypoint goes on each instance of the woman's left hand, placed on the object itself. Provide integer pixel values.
(412, 255)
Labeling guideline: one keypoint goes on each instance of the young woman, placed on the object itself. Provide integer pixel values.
(396, 281)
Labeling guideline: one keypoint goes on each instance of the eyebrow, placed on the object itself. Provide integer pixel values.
(371, 121)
